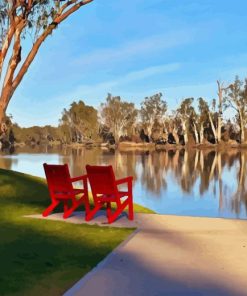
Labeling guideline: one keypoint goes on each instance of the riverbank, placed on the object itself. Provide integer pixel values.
(123, 146)
(45, 257)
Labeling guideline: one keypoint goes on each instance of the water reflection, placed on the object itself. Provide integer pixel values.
(183, 182)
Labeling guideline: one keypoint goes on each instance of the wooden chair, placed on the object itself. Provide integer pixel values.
(61, 190)
(105, 191)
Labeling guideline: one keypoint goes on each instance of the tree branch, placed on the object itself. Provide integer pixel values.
(7, 89)
(40, 40)
(14, 22)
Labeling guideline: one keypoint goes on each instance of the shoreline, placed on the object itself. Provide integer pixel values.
(122, 146)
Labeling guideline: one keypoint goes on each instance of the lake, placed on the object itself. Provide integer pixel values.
(178, 182)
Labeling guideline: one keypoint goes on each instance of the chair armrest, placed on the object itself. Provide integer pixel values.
(124, 180)
(83, 178)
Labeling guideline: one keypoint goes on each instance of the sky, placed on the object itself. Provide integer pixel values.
(134, 49)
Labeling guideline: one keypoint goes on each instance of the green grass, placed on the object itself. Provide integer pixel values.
(42, 257)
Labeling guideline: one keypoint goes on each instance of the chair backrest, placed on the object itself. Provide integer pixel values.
(101, 179)
(58, 178)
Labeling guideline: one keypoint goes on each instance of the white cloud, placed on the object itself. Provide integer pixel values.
(92, 94)
(136, 48)
(102, 88)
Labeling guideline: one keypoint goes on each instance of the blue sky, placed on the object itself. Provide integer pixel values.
(134, 49)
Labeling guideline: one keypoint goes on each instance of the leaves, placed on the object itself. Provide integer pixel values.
(153, 110)
(82, 120)
(118, 115)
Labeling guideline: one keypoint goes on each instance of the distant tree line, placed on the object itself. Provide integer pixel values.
(195, 121)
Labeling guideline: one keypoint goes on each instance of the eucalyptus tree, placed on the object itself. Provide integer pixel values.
(221, 91)
(236, 98)
(186, 113)
(207, 117)
(18, 19)
(117, 115)
(172, 125)
(153, 110)
(202, 117)
(81, 120)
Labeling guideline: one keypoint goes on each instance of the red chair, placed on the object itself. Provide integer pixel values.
(61, 190)
(105, 191)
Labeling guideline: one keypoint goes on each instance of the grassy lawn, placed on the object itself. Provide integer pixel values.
(41, 257)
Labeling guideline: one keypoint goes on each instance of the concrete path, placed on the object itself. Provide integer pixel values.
(171, 255)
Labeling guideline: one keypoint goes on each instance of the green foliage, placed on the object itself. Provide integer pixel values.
(36, 134)
(186, 109)
(118, 115)
(236, 98)
(81, 121)
(153, 108)
(38, 16)
(152, 111)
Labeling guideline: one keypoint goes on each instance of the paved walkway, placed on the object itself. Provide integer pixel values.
(171, 255)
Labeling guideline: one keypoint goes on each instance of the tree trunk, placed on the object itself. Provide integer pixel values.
(196, 134)
(241, 124)
(185, 132)
(201, 133)
(3, 128)
(149, 131)
(2, 114)
(213, 128)
(219, 128)
(220, 95)
(174, 133)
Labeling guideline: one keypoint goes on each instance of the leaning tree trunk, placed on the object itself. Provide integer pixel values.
(185, 132)
(174, 133)
(219, 127)
(201, 133)
(196, 134)
(2, 125)
(242, 137)
(213, 128)
(220, 95)
(176, 137)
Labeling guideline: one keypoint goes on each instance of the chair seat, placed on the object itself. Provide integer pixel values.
(102, 198)
(68, 194)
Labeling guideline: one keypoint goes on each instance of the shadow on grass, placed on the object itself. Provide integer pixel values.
(20, 188)
(44, 257)
(51, 254)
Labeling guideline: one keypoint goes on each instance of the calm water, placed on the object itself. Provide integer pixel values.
(195, 183)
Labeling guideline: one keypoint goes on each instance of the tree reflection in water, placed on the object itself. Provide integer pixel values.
(194, 182)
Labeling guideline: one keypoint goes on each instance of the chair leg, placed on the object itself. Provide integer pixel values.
(120, 209)
(131, 210)
(65, 206)
(108, 209)
(51, 207)
(87, 207)
(75, 205)
(91, 214)
(114, 216)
